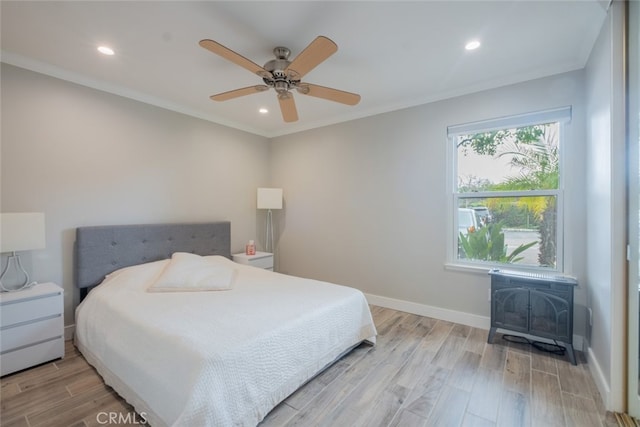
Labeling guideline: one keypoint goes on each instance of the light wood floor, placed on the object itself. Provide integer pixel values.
(422, 372)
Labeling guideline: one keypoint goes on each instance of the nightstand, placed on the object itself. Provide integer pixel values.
(31, 327)
(260, 260)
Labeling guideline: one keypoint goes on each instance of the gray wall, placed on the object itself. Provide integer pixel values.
(85, 157)
(366, 201)
(605, 166)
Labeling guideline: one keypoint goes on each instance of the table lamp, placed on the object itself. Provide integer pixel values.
(20, 232)
(269, 198)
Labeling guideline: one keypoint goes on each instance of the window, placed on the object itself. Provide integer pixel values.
(506, 191)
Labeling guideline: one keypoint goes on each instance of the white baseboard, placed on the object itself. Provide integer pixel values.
(599, 379)
(473, 320)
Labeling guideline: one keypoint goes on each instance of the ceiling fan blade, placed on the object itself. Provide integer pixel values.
(225, 96)
(234, 57)
(288, 107)
(317, 51)
(329, 93)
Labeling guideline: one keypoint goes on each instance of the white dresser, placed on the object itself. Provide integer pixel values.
(31, 327)
(260, 260)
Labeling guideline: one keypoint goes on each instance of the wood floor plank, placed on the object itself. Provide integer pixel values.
(381, 315)
(45, 396)
(71, 369)
(574, 379)
(425, 394)
(580, 411)
(384, 407)
(516, 343)
(25, 375)
(515, 410)
(440, 331)
(305, 394)
(546, 400)
(545, 362)
(405, 418)
(280, 415)
(494, 356)
(517, 375)
(413, 335)
(485, 395)
(73, 409)
(450, 408)
(16, 422)
(471, 420)
(374, 309)
(449, 352)
(322, 405)
(86, 380)
(9, 389)
(464, 371)
(389, 323)
(412, 371)
(461, 331)
(476, 340)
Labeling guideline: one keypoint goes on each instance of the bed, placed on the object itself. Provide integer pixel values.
(204, 357)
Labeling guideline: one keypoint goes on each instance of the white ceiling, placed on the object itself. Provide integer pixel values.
(394, 54)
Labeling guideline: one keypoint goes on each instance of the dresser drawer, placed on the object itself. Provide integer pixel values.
(30, 309)
(266, 262)
(26, 334)
(17, 360)
(259, 260)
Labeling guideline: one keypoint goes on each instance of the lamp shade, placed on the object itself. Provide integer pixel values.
(21, 231)
(269, 198)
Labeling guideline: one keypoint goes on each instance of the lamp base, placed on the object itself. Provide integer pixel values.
(15, 260)
(269, 232)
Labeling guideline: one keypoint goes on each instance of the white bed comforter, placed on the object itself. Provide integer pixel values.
(217, 358)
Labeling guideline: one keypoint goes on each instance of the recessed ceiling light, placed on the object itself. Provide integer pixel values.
(105, 50)
(473, 44)
(263, 110)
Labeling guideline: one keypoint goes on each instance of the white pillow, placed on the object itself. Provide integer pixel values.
(188, 272)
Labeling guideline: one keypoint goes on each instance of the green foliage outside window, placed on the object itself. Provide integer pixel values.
(487, 244)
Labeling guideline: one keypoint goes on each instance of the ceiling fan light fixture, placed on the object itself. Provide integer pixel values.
(472, 45)
(281, 86)
(106, 50)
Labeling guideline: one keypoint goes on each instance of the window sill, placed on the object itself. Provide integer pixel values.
(466, 268)
(484, 269)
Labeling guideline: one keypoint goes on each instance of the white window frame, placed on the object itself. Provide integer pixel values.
(563, 117)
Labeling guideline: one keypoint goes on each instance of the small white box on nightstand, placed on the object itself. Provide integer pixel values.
(260, 260)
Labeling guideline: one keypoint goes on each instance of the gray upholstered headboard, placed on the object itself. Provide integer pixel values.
(104, 249)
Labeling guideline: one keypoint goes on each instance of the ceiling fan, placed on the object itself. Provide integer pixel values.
(284, 75)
